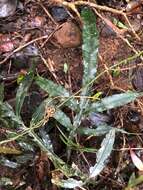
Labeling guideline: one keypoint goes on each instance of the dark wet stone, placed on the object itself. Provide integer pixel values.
(59, 13)
(7, 7)
(137, 79)
(107, 32)
(133, 116)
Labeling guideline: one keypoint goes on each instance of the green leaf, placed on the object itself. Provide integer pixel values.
(113, 101)
(22, 91)
(8, 163)
(23, 159)
(69, 183)
(7, 112)
(59, 115)
(119, 24)
(90, 45)
(56, 90)
(46, 140)
(133, 181)
(100, 130)
(103, 154)
(57, 161)
(26, 146)
(39, 113)
(89, 52)
(63, 119)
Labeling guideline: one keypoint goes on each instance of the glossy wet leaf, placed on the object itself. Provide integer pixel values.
(89, 53)
(22, 91)
(69, 183)
(46, 140)
(100, 130)
(8, 150)
(7, 112)
(55, 90)
(57, 161)
(26, 146)
(8, 163)
(114, 101)
(59, 115)
(22, 159)
(90, 45)
(103, 153)
(63, 119)
(40, 111)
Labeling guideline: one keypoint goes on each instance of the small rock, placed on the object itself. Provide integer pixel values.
(7, 7)
(107, 32)
(69, 35)
(133, 116)
(137, 80)
(6, 44)
(59, 13)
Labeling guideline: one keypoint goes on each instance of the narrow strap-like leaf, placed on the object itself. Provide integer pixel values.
(113, 101)
(103, 154)
(22, 91)
(90, 45)
(56, 90)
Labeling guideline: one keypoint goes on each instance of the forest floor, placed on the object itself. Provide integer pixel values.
(50, 35)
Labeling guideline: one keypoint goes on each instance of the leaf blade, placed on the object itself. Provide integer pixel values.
(114, 101)
(103, 153)
(22, 91)
(56, 90)
(90, 45)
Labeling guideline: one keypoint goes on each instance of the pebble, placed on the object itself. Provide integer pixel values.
(107, 32)
(137, 80)
(69, 35)
(7, 7)
(59, 13)
(133, 116)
